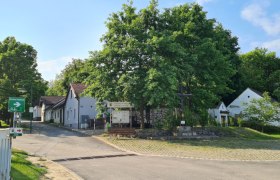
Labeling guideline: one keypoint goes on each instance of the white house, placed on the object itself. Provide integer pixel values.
(220, 114)
(239, 104)
(58, 112)
(46, 104)
(78, 109)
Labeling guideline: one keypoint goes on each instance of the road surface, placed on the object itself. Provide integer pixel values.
(92, 159)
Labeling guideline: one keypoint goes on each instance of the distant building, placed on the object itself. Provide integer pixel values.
(46, 104)
(58, 112)
(239, 104)
(220, 113)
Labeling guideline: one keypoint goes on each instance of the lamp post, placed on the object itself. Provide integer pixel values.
(23, 90)
(31, 108)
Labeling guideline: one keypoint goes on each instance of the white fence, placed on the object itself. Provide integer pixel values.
(5, 154)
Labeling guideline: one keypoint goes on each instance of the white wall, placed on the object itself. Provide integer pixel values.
(43, 112)
(36, 112)
(71, 111)
(5, 154)
(216, 113)
(238, 106)
(88, 107)
(58, 115)
(48, 115)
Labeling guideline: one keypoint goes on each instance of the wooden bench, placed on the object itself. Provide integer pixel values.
(122, 131)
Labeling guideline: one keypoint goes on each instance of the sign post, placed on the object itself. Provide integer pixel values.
(16, 104)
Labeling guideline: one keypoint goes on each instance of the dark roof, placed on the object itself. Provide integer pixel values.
(50, 100)
(261, 94)
(59, 104)
(78, 88)
(220, 103)
(257, 92)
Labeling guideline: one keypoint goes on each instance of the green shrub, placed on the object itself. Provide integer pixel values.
(204, 118)
(259, 127)
(190, 117)
(170, 122)
(3, 124)
(51, 120)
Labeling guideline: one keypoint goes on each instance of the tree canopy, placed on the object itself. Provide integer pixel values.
(74, 72)
(150, 54)
(18, 70)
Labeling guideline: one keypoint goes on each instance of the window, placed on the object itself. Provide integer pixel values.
(74, 113)
(71, 94)
(248, 96)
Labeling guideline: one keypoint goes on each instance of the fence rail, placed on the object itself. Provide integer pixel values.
(5, 154)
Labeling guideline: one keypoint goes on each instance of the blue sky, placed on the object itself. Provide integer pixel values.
(64, 29)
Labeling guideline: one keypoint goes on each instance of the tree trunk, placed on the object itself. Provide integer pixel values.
(142, 125)
(148, 115)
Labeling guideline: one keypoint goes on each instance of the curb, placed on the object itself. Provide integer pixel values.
(117, 147)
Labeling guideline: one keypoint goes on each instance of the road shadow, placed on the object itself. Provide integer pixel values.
(49, 130)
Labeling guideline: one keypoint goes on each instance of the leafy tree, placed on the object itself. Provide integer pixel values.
(74, 72)
(260, 69)
(149, 55)
(18, 70)
(262, 110)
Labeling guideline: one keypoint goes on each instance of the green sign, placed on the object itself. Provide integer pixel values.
(16, 104)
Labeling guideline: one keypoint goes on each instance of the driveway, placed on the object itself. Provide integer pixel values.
(92, 159)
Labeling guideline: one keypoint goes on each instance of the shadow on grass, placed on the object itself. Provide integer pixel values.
(24, 169)
(232, 143)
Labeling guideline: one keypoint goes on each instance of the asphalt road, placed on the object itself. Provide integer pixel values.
(92, 159)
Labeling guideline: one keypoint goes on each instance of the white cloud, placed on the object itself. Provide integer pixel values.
(50, 68)
(273, 45)
(202, 2)
(257, 15)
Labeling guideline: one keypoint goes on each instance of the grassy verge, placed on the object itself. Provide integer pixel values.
(239, 144)
(24, 169)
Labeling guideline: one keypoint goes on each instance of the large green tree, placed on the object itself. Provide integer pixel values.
(18, 70)
(260, 70)
(149, 55)
(74, 72)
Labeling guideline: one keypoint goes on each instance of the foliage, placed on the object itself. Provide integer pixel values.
(18, 70)
(170, 122)
(190, 117)
(23, 169)
(260, 127)
(260, 69)
(75, 72)
(148, 55)
(262, 110)
(3, 124)
(204, 117)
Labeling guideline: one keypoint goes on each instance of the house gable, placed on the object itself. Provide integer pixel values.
(238, 105)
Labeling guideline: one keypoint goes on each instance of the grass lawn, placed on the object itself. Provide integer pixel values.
(23, 169)
(240, 144)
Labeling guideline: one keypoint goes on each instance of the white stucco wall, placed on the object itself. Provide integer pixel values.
(48, 115)
(43, 112)
(58, 115)
(71, 111)
(87, 107)
(237, 106)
